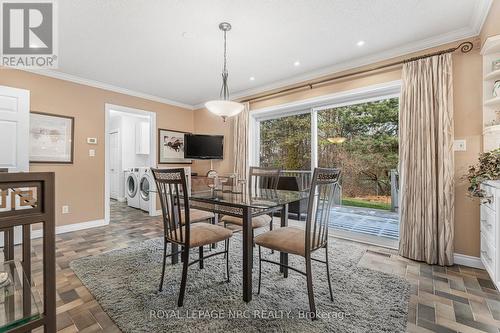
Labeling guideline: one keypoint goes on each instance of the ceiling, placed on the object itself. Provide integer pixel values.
(171, 50)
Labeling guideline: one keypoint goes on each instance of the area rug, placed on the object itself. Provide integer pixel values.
(125, 283)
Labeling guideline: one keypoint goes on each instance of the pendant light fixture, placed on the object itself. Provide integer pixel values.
(224, 107)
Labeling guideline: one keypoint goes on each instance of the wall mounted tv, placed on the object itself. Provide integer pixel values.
(203, 147)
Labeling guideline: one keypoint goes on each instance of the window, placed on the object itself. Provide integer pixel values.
(362, 140)
(286, 142)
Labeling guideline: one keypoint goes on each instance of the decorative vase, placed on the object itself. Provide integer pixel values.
(496, 89)
(495, 65)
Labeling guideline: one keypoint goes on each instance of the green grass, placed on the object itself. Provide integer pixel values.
(365, 204)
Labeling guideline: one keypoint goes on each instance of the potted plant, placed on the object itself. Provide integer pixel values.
(487, 169)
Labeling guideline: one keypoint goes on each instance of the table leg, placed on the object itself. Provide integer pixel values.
(215, 220)
(283, 255)
(247, 254)
(175, 257)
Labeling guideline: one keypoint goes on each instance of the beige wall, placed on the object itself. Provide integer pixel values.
(81, 184)
(208, 123)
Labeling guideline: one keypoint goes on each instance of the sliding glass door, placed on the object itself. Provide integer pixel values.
(359, 136)
(362, 140)
(285, 142)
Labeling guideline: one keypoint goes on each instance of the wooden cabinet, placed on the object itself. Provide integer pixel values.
(490, 229)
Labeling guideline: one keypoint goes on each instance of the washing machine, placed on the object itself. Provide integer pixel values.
(132, 187)
(146, 189)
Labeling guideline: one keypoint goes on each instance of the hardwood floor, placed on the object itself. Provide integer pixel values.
(451, 299)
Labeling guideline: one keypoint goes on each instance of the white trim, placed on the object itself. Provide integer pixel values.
(152, 155)
(106, 86)
(469, 261)
(337, 99)
(62, 229)
(480, 14)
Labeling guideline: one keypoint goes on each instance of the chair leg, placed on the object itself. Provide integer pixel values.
(310, 291)
(328, 272)
(185, 256)
(271, 229)
(227, 258)
(214, 245)
(164, 262)
(201, 257)
(260, 271)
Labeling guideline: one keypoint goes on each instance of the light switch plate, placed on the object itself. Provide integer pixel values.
(459, 145)
(92, 141)
(65, 209)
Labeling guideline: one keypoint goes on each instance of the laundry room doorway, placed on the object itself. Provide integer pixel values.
(130, 146)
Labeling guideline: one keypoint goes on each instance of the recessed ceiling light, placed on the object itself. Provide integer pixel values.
(296, 63)
(252, 78)
(188, 34)
(360, 43)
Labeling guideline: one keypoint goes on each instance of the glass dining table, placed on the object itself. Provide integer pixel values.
(247, 205)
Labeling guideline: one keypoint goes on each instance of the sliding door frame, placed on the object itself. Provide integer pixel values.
(314, 105)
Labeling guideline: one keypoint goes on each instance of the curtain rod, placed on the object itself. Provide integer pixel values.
(464, 47)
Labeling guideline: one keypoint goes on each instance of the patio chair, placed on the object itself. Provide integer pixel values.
(259, 178)
(178, 228)
(302, 242)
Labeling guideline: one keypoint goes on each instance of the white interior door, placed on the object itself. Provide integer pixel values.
(14, 129)
(114, 164)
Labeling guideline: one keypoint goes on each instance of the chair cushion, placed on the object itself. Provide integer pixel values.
(230, 226)
(203, 234)
(285, 239)
(196, 215)
(257, 222)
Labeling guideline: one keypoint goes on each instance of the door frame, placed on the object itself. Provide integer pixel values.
(117, 131)
(152, 158)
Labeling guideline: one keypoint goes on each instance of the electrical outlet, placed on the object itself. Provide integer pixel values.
(65, 209)
(91, 152)
(459, 145)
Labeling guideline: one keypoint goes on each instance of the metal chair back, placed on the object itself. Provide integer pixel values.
(263, 178)
(173, 192)
(321, 199)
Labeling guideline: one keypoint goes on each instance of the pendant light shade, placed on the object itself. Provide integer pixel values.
(224, 107)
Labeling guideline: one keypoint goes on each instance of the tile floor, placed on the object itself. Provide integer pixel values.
(452, 299)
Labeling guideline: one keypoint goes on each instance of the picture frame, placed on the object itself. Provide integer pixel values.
(171, 147)
(51, 138)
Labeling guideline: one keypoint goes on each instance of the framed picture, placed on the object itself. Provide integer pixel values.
(171, 147)
(51, 138)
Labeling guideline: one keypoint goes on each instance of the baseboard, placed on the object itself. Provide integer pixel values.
(62, 229)
(18, 237)
(465, 260)
(122, 199)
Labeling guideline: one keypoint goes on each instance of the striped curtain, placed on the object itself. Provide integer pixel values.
(240, 142)
(426, 161)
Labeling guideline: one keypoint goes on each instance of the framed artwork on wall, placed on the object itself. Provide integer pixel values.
(171, 147)
(51, 138)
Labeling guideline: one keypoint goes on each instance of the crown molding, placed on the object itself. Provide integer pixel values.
(480, 14)
(105, 86)
(406, 49)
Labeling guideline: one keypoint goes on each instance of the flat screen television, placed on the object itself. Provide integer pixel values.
(203, 147)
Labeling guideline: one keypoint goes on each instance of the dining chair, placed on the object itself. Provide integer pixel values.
(303, 242)
(259, 179)
(172, 189)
